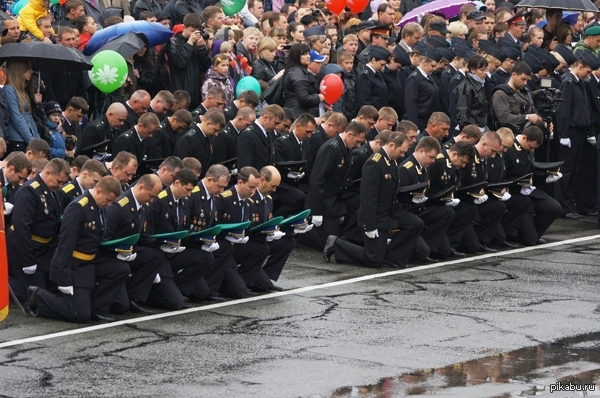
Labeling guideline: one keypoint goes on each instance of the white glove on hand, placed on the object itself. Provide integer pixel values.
(592, 140)
(505, 197)
(66, 289)
(553, 178)
(233, 239)
(341, 220)
(372, 234)
(389, 241)
(126, 257)
(233, 172)
(30, 270)
(157, 279)
(8, 208)
(294, 175)
(304, 229)
(276, 236)
(481, 200)
(527, 190)
(453, 202)
(171, 248)
(210, 248)
(566, 142)
(418, 199)
(317, 221)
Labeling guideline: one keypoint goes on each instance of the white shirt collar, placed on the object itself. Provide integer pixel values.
(407, 46)
(369, 66)
(67, 120)
(574, 75)
(423, 72)
(138, 134)
(137, 204)
(299, 142)
(262, 128)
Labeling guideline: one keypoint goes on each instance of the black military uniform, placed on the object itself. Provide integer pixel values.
(261, 210)
(32, 238)
(393, 80)
(543, 209)
(72, 265)
(225, 144)
(379, 210)
(132, 119)
(437, 219)
(491, 211)
(8, 194)
(250, 256)
(593, 87)
(71, 128)
(196, 144)
(421, 98)
(370, 89)
(454, 82)
(230, 111)
(314, 143)
(371, 134)
(290, 196)
(199, 111)
(124, 218)
(98, 131)
(131, 142)
(68, 193)
(255, 147)
(187, 267)
(163, 142)
(500, 76)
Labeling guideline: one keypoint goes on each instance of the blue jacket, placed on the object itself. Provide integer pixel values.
(21, 127)
(57, 142)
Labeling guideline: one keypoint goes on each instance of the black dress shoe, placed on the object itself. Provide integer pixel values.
(275, 288)
(592, 213)
(486, 249)
(510, 245)
(215, 299)
(138, 309)
(329, 248)
(541, 241)
(30, 305)
(250, 293)
(573, 216)
(431, 260)
(258, 289)
(456, 253)
(102, 318)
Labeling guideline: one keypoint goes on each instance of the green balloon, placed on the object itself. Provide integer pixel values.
(19, 6)
(231, 7)
(245, 84)
(109, 72)
(55, 2)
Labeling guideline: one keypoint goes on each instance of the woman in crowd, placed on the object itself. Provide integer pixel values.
(299, 89)
(87, 27)
(296, 32)
(471, 102)
(267, 67)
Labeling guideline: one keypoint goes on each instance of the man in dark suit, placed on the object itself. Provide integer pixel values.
(163, 142)
(132, 141)
(225, 143)
(215, 98)
(255, 143)
(136, 106)
(91, 172)
(105, 128)
(370, 87)
(247, 99)
(334, 125)
(387, 121)
(196, 142)
(12, 176)
(76, 108)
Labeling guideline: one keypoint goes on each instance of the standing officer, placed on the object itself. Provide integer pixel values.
(82, 294)
(421, 94)
(32, 238)
(370, 86)
(91, 172)
(255, 143)
(390, 231)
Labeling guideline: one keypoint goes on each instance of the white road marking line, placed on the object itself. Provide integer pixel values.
(290, 292)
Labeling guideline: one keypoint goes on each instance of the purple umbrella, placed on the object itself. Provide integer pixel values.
(443, 8)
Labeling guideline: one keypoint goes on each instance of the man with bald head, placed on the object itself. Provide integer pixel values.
(136, 106)
(105, 128)
(281, 242)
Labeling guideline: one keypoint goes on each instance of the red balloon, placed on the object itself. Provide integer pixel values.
(336, 6)
(357, 6)
(332, 88)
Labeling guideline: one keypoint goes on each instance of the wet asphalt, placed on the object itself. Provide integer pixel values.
(462, 330)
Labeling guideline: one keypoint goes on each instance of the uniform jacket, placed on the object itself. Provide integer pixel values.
(97, 131)
(370, 89)
(196, 144)
(129, 141)
(253, 148)
(225, 144)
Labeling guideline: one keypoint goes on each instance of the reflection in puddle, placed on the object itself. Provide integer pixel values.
(521, 373)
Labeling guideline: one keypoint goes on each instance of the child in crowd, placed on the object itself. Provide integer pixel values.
(218, 76)
(57, 143)
(346, 61)
(30, 14)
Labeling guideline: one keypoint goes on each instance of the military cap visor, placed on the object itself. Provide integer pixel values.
(440, 27)
(171, 237)
(92, 149)
(444, 194)
(550, 167)
(206, 235)
(268, 227)
(122, 245)
(414, 189)
(235, 229)
(298, 219)
(476, 190)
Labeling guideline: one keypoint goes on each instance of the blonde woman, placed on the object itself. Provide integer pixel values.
(19, 97)
(267, 67)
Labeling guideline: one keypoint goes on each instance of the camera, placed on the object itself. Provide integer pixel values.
(203, 33)
(547, 97)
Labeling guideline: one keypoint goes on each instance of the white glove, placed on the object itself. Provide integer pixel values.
(341, 220)
(233, 239)
(210, 248)
(294, 175)
(317, 221)
(30, 270)
(527, 190)
(591, 140)
(276, 236)
(157, 279)
(566, 142)
(418, 199)
(551, 135)
(126, 257)
(233, 172)
(481, 200)
(171, 248)
(303, 229)
(388, 241)
(372, 234)
(505, 197)
(8, 208)
(66, 289)
(553, 178)
(453, 202)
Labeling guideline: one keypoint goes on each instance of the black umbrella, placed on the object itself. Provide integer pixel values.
(571, 5)
(46, 57)
(126, 45)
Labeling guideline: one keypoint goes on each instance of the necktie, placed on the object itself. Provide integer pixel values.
(242, 203)
(300, 146)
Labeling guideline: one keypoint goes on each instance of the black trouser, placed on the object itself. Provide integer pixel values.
(540, 214)
(460, 232)
(490, 215)
(287, 201)
(586, 181)
(111, 276)
(437, 220)
(516, 207)
(19, 281)
(279, 252)
(565, 188)
(250, 257)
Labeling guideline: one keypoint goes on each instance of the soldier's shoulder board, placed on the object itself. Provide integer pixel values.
(35, 185)
(98, 123)
(162, 194)
(269, 196)
(335, 143)
(83, 201)
(123, 202)
(226, 194)
(440, 156)
(196, 189)
(408, 164)
(377, 157)
(250, 200)
(68, 188)
(414, 74)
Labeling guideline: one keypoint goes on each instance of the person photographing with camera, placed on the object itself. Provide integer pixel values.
(188, 59)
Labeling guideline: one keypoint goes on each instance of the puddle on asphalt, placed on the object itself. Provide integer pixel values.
(535, 371)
